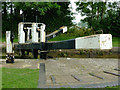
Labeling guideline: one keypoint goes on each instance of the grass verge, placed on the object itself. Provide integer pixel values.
(115, 41)
(19, 78)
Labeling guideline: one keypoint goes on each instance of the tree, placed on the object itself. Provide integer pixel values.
(101, 15)
(57, 17)
(111, 22)
(94, 12)
(53, 14)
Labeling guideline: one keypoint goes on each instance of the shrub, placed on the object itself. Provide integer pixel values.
(80, 32)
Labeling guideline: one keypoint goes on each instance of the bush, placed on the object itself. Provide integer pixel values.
(63, 54)
(79, 32)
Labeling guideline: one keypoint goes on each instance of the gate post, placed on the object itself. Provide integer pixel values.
(21, 33)
(42, 33)
(9, 48)
(34, 33)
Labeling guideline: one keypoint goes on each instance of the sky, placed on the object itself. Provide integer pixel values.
(77, 16)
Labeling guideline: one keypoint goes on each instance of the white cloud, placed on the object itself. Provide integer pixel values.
(77, 15)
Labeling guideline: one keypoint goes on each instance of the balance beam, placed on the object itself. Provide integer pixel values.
(99, 41)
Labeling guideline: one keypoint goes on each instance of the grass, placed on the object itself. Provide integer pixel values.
(62, 37)
(4, 39)
(19, 78)
(116, 41)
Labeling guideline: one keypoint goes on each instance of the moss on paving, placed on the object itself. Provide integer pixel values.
(114, 87)
(19, 78)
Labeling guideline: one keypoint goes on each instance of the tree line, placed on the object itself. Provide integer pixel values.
(53, 14)
(101, 16)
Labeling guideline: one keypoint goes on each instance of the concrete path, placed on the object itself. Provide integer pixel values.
(71, 72)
